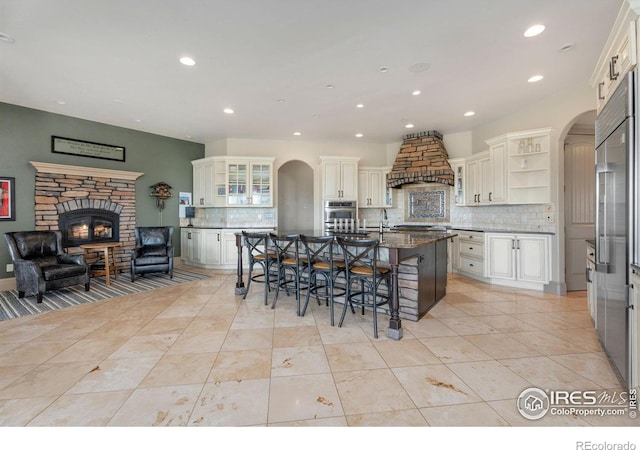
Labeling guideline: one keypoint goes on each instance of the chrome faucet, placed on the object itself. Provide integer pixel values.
(383, 219)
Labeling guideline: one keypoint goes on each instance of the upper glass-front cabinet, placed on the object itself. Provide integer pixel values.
(261, 184)
(249, 183)
(237, 183)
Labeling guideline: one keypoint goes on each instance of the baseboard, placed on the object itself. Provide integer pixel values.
(556, 288)
(7, 284)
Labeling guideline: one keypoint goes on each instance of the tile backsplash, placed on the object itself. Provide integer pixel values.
(534, 217)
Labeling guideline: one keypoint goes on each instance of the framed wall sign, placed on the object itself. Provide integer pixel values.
(7, 198)
(75, 147)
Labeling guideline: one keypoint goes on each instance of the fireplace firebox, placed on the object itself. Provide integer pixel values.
(88, 225)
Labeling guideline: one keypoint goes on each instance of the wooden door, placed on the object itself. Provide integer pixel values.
(579, 197)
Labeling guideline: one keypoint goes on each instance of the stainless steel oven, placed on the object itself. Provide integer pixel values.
(337, 210)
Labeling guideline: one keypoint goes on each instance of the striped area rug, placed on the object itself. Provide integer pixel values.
(12, 307)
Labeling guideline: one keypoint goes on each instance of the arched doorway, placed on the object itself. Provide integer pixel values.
(579, 197)
(295, 196)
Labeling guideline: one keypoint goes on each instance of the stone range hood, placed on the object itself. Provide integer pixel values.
(422, 159)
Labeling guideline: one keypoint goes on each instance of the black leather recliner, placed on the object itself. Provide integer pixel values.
(41, 264)
(153, 251)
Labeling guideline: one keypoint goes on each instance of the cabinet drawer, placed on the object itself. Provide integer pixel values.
(471, 265)
(471, 248)
(469, 236)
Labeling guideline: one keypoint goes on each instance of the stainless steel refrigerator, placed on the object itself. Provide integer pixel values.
(616, 220)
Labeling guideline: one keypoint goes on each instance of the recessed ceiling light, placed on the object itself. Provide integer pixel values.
(416, 92)
(384, 69)
(61, 102)
(469, 113)
(228, 111)
(315, 116)
(534, 30)
(187, 61)
(296, 133)
(280, 100)
(138, 120)
(359, 105)
(409, 125)
(535, 78)
(359, 135)
(6, 38)
(118, 100)
(329, 86)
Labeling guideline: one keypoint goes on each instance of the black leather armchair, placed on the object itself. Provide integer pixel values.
(41, 264)
(153, 251)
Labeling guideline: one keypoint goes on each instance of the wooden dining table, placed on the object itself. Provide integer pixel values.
(395, 247)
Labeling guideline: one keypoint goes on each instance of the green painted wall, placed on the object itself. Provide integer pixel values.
(25, 135)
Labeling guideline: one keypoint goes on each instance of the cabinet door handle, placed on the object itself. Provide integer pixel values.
(188, 235)
(600, 86)
(587, 271)
(490, 195)
(218, 237)
(613, 75)
(470, 248)
(517, 244)
(513, 244)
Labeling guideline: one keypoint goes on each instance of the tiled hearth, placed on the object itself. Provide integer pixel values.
(62, 188)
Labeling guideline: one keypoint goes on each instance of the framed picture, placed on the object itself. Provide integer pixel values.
(7, 198)
(89, 149)
(185, 200)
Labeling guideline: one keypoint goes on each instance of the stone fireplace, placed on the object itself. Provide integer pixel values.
(87, 205)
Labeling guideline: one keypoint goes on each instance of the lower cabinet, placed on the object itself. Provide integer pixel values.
(468, 253)
(211, 248)
(518, 260)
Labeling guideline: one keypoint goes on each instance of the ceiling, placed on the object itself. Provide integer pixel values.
(116, 62)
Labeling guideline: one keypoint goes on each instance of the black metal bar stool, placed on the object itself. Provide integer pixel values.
(259, 255)
(322, 270)
(364, 277)
(290, 265)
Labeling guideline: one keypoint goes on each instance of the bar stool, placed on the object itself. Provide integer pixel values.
(322, 270)
(364, 277)
(259, 254)
(289, 263)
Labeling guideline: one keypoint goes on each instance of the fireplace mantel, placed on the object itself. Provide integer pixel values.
(85, 171)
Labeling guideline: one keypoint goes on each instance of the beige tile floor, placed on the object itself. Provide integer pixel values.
(198, 355)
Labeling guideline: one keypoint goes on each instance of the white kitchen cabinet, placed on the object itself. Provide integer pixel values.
(616, 60)
(191, 245)
(339, 178)
(212, 248)
(498, 182)
(518, 260)
(200, 246)
(468, 253)
(250, 182)
(478, 181)
(529, 167)
(203, 182)
(458, 167)
(372, 187)
(221, 181)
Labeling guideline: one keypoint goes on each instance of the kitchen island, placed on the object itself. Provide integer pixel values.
(418, 263)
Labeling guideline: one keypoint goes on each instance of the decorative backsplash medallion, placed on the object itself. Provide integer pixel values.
(427, 203)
